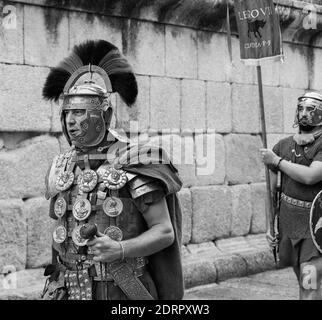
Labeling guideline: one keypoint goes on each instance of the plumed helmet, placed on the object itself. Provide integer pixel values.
(91, 57)
(313, 100)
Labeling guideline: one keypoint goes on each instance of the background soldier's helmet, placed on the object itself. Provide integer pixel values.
(314, 100)
(72, 82)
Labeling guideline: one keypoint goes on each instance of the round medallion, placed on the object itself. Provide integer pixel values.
(64, 180)
(114, 233)
(87, 180)
(60, 207)
(112, 207)
(78, 240)
(60, 234)
(114, 179)
(81, 209)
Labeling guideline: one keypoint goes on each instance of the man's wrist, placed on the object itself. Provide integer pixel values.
(277, 162)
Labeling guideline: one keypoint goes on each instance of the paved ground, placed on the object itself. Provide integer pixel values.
(270, 285)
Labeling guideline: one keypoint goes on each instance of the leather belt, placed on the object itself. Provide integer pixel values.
(73, 258)
(74, 262)
(296, 202)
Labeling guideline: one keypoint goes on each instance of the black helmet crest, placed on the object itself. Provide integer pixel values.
(99, 53)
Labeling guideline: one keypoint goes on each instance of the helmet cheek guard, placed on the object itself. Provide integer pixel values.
(93, 129)
(317, 117)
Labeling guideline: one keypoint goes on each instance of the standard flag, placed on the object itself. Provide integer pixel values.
(259, 30)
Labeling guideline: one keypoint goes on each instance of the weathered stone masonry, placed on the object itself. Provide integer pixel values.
(186, 82)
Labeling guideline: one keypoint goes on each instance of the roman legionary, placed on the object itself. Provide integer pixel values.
(299, 160)
(118, 221)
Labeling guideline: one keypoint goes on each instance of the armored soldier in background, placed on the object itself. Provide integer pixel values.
(118, 230)
(299, 159)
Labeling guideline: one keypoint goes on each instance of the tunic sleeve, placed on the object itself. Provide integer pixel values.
(276, 150)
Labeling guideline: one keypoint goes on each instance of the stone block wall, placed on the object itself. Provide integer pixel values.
(202, 106)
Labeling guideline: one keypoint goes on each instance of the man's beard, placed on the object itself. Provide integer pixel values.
(307, 128)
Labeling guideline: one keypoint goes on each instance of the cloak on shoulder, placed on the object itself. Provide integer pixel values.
(165, 266)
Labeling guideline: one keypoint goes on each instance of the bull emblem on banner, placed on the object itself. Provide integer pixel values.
(253, 27)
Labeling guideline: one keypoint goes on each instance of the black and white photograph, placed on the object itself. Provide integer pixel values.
(161, 150)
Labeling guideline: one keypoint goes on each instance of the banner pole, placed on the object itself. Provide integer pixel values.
(229, 33)
(269, 213)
